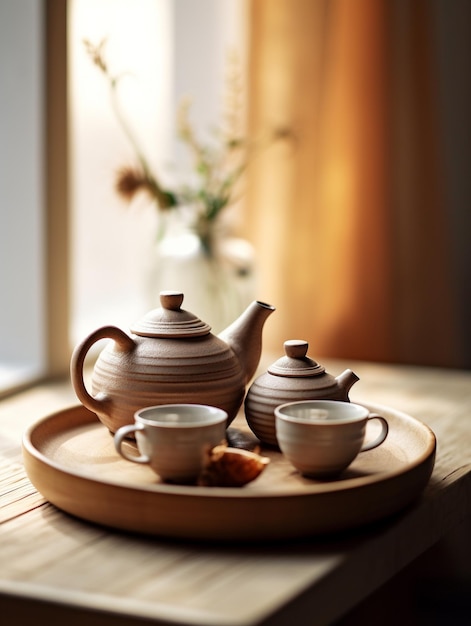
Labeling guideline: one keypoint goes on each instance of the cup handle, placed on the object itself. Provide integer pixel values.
(382, 435)
(119, 436)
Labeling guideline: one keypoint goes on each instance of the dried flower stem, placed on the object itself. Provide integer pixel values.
(218, 166)
(165, 199)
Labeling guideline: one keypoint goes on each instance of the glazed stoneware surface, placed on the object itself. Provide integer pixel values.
(70, 458)
(174, 439)
(321, 438)
(170, 356)
(293, 377)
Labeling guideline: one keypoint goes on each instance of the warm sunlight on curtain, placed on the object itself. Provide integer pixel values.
(348, 217)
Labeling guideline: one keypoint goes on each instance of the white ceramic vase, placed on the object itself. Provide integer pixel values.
(218, 282)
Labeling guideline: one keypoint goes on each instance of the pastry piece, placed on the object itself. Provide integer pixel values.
(231, 467)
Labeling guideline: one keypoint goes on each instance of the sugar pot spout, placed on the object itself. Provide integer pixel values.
(346, 380)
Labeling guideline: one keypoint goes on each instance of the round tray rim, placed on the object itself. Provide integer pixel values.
(38, 464)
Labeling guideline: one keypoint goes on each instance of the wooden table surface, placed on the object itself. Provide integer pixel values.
(58, 569)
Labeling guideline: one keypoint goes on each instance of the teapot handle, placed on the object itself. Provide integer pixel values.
(125, 343)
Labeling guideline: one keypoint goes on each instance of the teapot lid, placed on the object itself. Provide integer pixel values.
(170, 320)
(296, 363)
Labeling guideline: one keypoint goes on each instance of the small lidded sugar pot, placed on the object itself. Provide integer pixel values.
(291, 378)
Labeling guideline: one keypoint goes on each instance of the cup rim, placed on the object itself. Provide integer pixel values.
(214, 415)
(321, 422)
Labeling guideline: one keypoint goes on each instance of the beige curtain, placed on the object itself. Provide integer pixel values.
(348, 214)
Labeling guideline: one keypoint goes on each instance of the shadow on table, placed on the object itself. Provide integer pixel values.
(435, 590)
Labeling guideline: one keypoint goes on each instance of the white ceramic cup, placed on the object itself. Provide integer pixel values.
(174, 439)
(321, 438)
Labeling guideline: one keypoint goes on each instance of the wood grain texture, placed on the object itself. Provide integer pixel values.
(70, 564)
(70, 458)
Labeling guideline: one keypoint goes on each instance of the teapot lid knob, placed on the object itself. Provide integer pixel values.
(296, 364)
(171, 300)
(170, 320)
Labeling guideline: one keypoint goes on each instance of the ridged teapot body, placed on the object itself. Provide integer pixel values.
(292, 378)
(170, 357)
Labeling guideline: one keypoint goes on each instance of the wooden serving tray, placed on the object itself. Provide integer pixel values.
(70, 458)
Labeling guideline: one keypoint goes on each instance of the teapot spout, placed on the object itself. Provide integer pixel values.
(244, 336)
(346, 380)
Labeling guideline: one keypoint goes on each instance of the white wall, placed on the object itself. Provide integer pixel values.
(171, 48)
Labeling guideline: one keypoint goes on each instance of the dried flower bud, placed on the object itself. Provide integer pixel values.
(129, 181)
(96, 54)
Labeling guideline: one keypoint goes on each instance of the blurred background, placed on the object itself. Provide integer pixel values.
(369, 256)
(359, 217)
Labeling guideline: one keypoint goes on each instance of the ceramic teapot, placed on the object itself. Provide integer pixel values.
(170, 356)
(292, 377)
